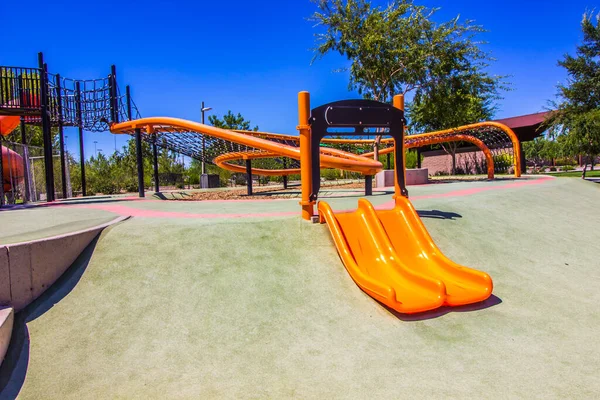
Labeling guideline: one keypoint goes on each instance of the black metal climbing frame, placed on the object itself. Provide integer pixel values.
(355, 118)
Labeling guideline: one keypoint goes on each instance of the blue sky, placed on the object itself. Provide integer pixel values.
(253, 57)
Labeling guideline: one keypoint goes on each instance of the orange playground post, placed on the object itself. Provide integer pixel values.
(305, 155)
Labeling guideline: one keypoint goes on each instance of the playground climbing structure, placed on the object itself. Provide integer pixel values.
(36, 96)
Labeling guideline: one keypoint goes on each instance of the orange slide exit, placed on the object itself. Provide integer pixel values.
(391, 256)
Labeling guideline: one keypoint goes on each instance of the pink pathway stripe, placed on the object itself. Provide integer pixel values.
(136, 212)
(472, 191)
(121, 209)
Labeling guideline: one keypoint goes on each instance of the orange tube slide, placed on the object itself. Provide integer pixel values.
(12, 168)
(8, 124)
(12, 162)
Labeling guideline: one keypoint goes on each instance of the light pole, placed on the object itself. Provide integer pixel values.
(202, 111)
(95, 151)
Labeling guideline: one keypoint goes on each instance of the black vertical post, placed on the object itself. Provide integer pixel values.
(80, 129)
(1, 176)
(388, 156)
(418, 157)
(46, 129)
(63, 164)
(368, 185)
(25, 159)
(128, 101)
(285, 177)
(138, 145)
(114, 101)
(140, 161)
(399, 165)
(249, 176)
(155, 158)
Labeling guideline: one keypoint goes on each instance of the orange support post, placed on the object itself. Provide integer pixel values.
(399, 103)
(305, 155)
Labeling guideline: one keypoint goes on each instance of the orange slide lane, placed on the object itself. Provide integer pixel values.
(391, 256)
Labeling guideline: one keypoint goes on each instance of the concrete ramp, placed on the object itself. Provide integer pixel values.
(27, 269)
(6, 325)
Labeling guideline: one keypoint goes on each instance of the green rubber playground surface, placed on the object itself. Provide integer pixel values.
(245, 300)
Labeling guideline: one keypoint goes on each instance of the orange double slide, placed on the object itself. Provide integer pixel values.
(391, 256)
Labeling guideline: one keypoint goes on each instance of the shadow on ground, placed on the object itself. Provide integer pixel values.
(14, 368)
(438, 312)
(437, 214)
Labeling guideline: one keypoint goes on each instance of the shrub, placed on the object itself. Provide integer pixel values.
(130, 185)
(502, 163)
(330, 174)
(411, 159)
(565, 161)
(194, 179)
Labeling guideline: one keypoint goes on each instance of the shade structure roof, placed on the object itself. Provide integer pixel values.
(526, 127)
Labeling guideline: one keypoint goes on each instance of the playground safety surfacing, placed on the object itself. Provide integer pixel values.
(242, 299)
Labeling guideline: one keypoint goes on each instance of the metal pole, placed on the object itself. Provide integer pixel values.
(418, 157)
(155, 157)
(46, 129)
(368, 185)
(114, 102)
(388, 160)
(285, 177)
(63, 166)
(128, 101)
(399, 158)
(203, 142)
(80, 129)
(249, 176)
(140, 161)
(25, 155)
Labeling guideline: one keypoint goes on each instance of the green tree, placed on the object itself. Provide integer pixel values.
(396, 49)
(467, 97)
(231, 121)
(534, 151)
(543, 150)
(100, 173)
(577, 115)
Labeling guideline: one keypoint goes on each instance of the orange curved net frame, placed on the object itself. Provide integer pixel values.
(226, 150)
